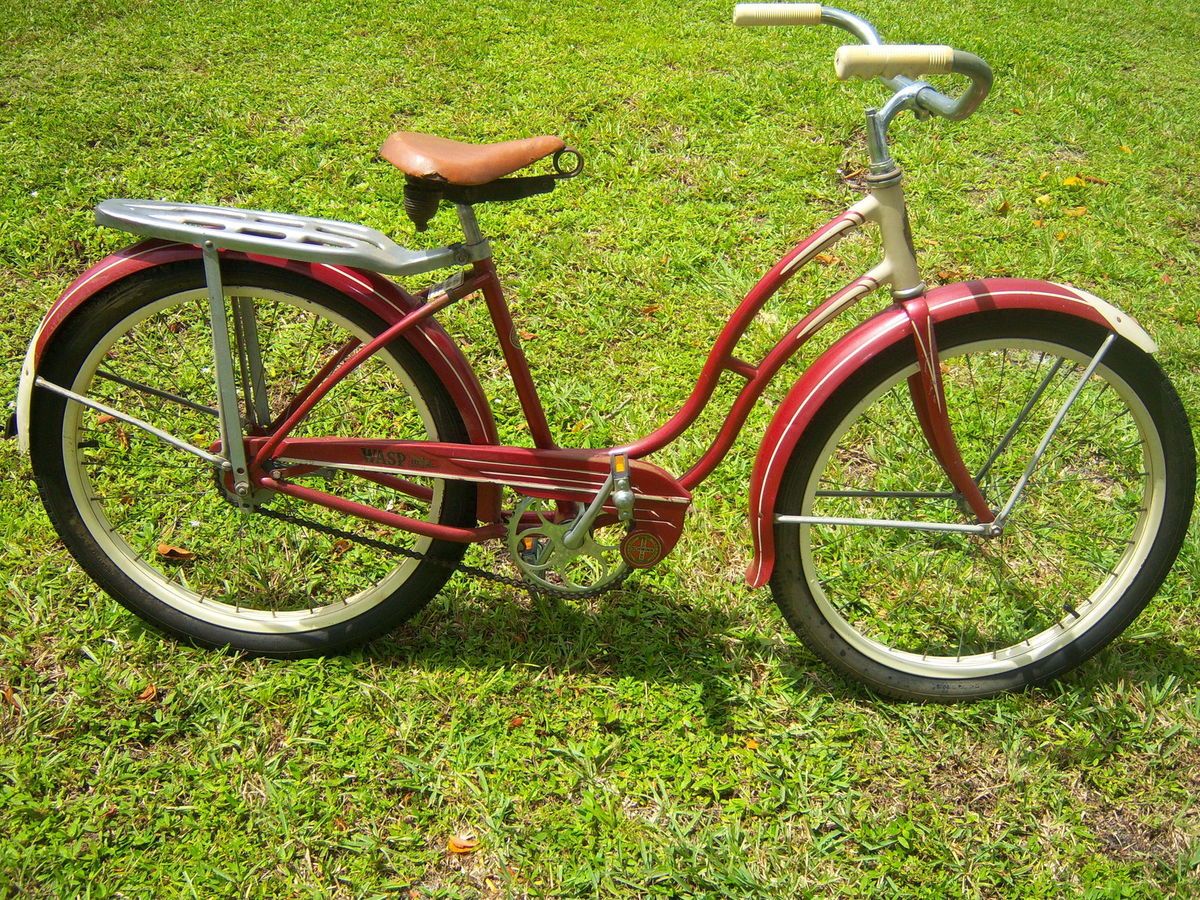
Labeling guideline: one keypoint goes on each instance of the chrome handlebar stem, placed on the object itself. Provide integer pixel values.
(919, 96)
(878, 120)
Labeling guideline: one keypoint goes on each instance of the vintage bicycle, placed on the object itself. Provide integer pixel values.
(252, 438)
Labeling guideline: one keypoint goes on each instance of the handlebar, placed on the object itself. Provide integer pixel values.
(911, 60)
(752, 14)
(897, 65)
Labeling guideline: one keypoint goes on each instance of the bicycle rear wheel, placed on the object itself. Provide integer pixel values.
(938, 615)
(154, 526)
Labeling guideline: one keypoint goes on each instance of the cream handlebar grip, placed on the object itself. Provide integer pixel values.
(890, 60)
(749, 14)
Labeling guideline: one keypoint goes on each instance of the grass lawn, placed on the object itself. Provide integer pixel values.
(671, 738)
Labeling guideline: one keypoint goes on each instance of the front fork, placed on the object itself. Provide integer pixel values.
(929, 399)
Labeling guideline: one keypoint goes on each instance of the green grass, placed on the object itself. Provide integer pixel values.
(672, 738)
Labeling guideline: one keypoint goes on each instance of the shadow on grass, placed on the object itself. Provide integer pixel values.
(650, 637)
(647, 636)
(627, 634)
(1151, 664)
(727, 654)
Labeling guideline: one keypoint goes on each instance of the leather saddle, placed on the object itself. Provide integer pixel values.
(456, 162)
(441, 169)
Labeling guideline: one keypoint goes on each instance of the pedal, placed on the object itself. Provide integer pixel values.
(533, 550)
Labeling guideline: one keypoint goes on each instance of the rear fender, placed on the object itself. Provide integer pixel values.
(378, 294)
(875, 336)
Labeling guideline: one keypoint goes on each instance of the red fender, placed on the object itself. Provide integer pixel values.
(873, 337)
(378, 294)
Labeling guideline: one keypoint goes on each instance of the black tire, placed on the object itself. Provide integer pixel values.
(150, 523)
(938, 616)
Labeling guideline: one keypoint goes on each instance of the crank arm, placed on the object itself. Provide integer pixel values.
(574, 536)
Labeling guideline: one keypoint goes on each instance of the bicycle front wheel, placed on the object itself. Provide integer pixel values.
(945, 615)
(156, 527)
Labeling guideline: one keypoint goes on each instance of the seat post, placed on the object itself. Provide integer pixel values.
(470, 227)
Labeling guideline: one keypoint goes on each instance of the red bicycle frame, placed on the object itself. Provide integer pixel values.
(573, 475)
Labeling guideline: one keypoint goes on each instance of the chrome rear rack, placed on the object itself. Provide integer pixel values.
(281, 235)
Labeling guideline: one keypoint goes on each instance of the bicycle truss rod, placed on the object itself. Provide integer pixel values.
(902, 524)
(1003, 515)
(166, 436)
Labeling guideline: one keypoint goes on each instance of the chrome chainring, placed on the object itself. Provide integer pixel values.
(540, 553)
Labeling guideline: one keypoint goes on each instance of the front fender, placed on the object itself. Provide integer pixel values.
(873, 337)
(378, 294)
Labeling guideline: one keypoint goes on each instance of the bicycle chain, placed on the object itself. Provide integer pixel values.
(397, 550)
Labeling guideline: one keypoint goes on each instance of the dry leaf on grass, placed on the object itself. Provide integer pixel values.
(462, 844)
(170, 551)
(148, 694)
